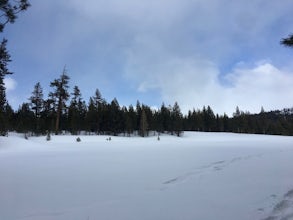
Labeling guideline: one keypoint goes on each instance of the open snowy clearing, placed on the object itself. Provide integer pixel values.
(198, 176)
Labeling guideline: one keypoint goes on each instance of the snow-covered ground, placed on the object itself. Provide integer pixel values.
(206, 176)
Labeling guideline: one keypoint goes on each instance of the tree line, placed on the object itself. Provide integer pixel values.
(64, 111)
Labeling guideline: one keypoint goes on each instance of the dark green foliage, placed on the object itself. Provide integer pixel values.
(4, 60)
(143, 128)
(76, 112)
(95, 116)
(115, 118)
(177, 119)
(37, 105)
(288, 41)
(60, 95)
(130, 120)
(9, 11)
(48, 137)
(8, 14)
(24, 119)
(36, 99)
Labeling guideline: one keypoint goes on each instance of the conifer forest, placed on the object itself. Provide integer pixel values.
(65, 110)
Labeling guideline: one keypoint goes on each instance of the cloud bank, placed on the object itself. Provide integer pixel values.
(179, 48)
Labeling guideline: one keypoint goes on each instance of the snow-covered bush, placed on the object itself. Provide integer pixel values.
(48, 138)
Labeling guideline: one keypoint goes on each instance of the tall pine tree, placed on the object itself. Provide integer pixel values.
(143, 124)
(61, 94)
(37, 103)
(4, 60)
(76, 112)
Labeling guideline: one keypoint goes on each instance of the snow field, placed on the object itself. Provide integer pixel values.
(199, 176)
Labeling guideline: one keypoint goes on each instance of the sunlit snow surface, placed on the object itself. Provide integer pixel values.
(206, 176)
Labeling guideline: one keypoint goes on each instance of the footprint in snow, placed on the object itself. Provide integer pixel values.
(212, 167)
(283, 210)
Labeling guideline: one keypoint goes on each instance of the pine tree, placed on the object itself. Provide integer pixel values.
(99, 103)
(209, 119)
(4, 60)
(25, 119)
(177, 119)
(98, 98)
(138, 115)
(48, 115)
(288, 41)
(91, 117)
(37, 99)
(143, 124)
(115, 117)
(61, 95)
(76, 112)
(37, 103)
(130, 120)
(10, 9)
(165, 118)
(8, 14)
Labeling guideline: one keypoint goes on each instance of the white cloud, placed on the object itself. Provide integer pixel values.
(262, 85)
(10, 84)
(194, 82)
(183, 63)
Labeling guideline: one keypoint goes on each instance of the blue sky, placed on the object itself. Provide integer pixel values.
(220, 53)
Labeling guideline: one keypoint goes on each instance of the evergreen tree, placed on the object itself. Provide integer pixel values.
(91, 114)
(165, 118)
(48, 115)
(37, 100)
(99, 104)
(177, 119)
(61, 95)
(226, 127)
(8, 14)
(158, 122)
(138, 115)
(4, 60)
(209, 119)
(288, 41)
(10, 9)
(98, 98)
(25, 119)
(76, 112)
(130, 120)
(37, 103)
(115, 117)
(143, 124)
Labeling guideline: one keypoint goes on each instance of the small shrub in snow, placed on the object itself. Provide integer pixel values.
(78, 139)
(158, 138)
(48, 138)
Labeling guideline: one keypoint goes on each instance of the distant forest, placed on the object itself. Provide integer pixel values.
(64, 111)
